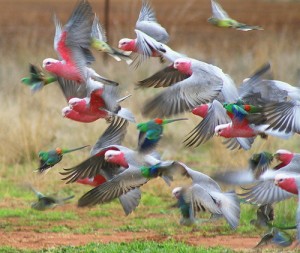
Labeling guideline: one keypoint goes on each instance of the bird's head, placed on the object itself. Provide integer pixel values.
(201, 110)
(220, 130)
(283, 155)
(66, 111)
(116, 157)
(49, 64)
(74, 102)
(287, 182)
(58, 151)
(176, 192)
(127, 44)
(183, 65)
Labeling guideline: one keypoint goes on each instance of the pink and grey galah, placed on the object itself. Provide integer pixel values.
(146, 28)
(291, 184)
(204, 83)
(72, 43)
(101, 101)
(96, 164)
(265, 191)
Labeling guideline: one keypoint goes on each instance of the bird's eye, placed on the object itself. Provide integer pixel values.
(280, 180)
(48, 63)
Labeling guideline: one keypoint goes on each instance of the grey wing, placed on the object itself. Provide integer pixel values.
(169, 169)
(184, 96)
(71, 89)
(200, 197)
(148, 24)
(205, 130)
(79, 28)
(265, 192)
(58, 31)
(262, 92)
(217, 10)
(95, 165)
(241, 177)
(146, 13)
(113, 135)
(130, 179)
(145, 46)
(283, 116)
(110, 96)
(130, 200)
(238, 143)
(98, 30)
(163, 78)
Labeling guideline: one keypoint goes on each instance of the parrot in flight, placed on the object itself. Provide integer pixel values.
(49, 158)
(220, 18)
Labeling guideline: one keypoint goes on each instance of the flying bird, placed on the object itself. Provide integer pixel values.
(37, 79)
(220, 18)
(96, 165)
(147, 30)
(49, 158)
(46, 202)
(72, 43)
(99, 42)
(206, 195)
(150, 132)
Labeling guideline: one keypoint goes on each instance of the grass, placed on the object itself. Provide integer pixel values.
(136, 246)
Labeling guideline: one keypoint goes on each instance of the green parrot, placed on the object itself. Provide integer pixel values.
(46, 202)
(49, 158)
(151, 132)
(220, 18)
(37, 79)
(98, 42)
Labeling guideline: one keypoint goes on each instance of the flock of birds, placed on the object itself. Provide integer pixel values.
(259, 107)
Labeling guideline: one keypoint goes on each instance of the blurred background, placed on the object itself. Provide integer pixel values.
(33, 122)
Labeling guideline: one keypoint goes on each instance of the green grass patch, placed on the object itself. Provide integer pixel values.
(132, 247)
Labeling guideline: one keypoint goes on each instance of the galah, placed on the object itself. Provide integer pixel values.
(213, 114)
(291, 183)
(101, 101)
(37, 79)
(68, 112)
(46, 202)
(204, 83)
(205, 194)
(96, 165)
(240, 126)
(146, 29)
(250, 91)
(221, 19)
(131, 178)
(265, 191)
(72, 43)
(150, 132)
(49, 158)
(99, 42)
